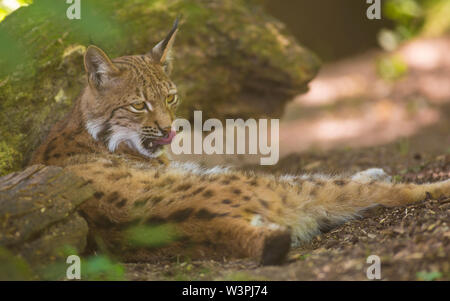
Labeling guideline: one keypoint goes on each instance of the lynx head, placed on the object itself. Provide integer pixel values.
(131, 100)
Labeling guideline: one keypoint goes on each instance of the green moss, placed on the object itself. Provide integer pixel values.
(13, 268)
(9, 158)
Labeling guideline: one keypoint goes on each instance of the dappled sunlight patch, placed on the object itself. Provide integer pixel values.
(426, 54)
(324, 91)
(378, 123)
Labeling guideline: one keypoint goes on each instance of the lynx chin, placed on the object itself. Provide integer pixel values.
(115, 137)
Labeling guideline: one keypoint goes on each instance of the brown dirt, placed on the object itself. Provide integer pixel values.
(413, 242)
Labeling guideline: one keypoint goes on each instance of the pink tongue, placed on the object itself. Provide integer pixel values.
(167, 140)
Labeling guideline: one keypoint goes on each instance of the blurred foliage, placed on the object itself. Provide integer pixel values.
(13, 268)
(93, 268)
(95, 27)
(408, 14)
(428, 276)
(437, 21)
(413, 18)
(6, 10)
(151, 236)
(101, 267)
(391, 67)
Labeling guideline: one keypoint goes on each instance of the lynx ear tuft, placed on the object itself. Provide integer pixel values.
(99, 67)
(161, 52)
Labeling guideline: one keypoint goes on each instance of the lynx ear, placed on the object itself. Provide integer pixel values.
(161, 52)
(99, 67)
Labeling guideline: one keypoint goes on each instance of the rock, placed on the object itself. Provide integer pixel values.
(231, 59)
(38, 213)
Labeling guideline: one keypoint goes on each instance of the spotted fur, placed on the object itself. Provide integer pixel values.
(216, 212)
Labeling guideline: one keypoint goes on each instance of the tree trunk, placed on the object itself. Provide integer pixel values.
(38, 213)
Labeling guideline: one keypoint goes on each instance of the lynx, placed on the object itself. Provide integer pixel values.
(115, 136)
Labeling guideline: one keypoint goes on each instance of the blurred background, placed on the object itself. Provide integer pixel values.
(8, 6)
(382, 82)
(383, 92)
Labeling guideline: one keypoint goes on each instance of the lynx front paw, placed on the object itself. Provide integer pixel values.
(275, 247)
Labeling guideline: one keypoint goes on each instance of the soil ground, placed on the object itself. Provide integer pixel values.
(402, 127)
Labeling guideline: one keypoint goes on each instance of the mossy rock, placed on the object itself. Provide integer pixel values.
(231, 60)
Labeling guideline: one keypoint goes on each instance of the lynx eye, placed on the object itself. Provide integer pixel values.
(138, 106)
(171, 99)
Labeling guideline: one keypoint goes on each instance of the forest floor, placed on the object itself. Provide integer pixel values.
(350, 121)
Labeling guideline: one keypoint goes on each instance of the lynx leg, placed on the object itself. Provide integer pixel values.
(275, 248)
(240, 238)
(199, 234)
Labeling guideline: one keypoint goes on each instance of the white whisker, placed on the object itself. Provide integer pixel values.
(131, 138)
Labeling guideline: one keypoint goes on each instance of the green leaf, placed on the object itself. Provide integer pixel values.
(428, 276)
(102, 268)
(13, 268)
(151, 236)
(391, 68)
